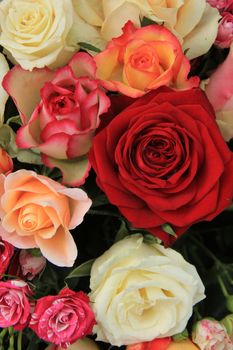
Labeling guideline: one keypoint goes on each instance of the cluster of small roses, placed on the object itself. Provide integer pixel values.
(59, 319)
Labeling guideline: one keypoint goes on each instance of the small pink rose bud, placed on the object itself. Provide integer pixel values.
(225, 31)
(211, 335)
(31, 265)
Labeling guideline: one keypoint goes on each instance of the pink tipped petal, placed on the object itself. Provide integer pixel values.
(83, 65)
(62, 75)
(55, 146)
(104, 102)
(24, 139)
(220, 86)
(74, 172)
(57, 127)
(79, 145)
(20, 83)
(60, 250)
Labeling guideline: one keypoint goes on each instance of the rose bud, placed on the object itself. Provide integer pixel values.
(225, 31)
(14, 304)
(31, 265)
(209, 334)
(64, 318)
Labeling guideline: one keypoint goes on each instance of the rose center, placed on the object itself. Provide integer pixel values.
(62, 104)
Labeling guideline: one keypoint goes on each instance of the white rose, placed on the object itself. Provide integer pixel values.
(194, 22)
(3, 94)
(36, 33)
(140, 292)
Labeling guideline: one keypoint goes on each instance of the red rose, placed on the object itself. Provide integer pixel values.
(163, 160)
(63, 318)
(6, 253)
(14, 304)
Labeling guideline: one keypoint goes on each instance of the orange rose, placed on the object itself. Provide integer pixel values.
(37, 212)
(164, 344)
(6, 164)
(142, 59)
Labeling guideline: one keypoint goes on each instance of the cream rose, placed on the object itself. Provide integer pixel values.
(140, 292)
(194, 22)
(3, 94)
(37, 33)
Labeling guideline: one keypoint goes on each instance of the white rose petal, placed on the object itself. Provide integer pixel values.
(140, 292)
(3, 95)
(35, 33)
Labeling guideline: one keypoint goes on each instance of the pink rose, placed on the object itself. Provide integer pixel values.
(61, 115)
(211, 335)
(219, 91)
(31, 265)
(14, 304)
(6, 252)
(220, 4)
(225, 31)
(64, 318)
(38, 212)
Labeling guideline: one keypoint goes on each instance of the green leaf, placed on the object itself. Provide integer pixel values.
(89, 47)
(122, 232)
(150, 239)
(181, 336)
(168, 229)
(15, 119)
(35, 252)
(82, 270)
(29, 156)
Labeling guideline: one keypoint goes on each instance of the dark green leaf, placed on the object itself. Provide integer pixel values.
(82, 270)
(89, 47)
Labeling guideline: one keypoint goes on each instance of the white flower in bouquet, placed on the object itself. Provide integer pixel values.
(140, 292)
(37, 33)
(194, 22)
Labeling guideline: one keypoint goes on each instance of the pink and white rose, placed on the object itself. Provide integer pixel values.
(14, 304)
(31, 265)
(225, 31)
(219, 90)
(63, 318)
(61, 115)
(38, 212)
(211, 335)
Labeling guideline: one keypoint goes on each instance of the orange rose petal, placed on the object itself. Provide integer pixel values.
(61, 249)
(18, 241)
(107, 62)
(79, 204)
(136, 79)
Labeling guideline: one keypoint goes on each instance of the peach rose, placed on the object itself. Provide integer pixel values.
(6, 163)
(81, 344)
(194, 22)
(37, 212)
(143, 59)
(219, 90)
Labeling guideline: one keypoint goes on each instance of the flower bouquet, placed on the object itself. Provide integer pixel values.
(116, 163)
